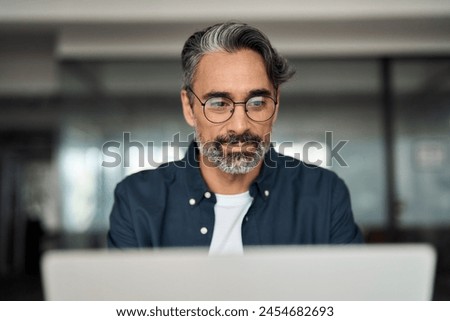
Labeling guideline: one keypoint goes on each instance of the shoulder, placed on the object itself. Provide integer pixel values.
(294, 169)
(151, 179)
(308, 180)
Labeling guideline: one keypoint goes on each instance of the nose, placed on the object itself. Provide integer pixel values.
(239, 121)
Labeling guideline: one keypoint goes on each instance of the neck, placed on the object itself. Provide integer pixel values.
(224, 183)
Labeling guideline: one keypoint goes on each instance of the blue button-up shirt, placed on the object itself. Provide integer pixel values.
(293, 203)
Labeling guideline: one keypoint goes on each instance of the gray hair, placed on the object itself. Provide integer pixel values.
(231, 37)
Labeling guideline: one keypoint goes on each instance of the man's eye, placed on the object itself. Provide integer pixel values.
(257, 102)
(218, 103)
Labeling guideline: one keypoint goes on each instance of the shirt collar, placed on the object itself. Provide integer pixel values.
(197, 188)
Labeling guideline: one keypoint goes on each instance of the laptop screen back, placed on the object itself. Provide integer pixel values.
(368, 272)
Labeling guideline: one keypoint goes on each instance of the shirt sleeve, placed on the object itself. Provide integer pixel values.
(343, 227)
(121, 232)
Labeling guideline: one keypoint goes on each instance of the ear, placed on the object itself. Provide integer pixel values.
(187, 108)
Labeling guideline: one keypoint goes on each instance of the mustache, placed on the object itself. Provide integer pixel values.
(233, 138)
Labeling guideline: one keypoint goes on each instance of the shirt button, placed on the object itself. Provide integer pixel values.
(246, 218)
(266, 192)
(203, 230)
(207, 194)
(192, 201)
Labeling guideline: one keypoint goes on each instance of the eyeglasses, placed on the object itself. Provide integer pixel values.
(220, 109)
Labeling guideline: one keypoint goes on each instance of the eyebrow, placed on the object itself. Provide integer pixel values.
(251, 93)
(213, 94)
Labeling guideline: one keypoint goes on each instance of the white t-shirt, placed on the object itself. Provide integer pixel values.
(229, 212)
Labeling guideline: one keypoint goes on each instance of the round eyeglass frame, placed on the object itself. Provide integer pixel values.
(234, 107)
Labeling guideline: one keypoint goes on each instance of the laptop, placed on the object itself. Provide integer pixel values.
(294, 273)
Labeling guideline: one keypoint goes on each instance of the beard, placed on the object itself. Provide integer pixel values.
(219, 151)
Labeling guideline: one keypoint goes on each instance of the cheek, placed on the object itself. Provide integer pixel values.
(265, 131)
(206, 131)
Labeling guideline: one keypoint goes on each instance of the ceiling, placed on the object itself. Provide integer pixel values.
(36, 36)
(111, 29)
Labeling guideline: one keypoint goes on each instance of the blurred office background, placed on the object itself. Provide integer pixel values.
(75, 75)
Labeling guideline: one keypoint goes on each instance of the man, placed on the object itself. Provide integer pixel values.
(232, 189)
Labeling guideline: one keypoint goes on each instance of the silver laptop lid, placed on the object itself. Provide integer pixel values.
(367, 272)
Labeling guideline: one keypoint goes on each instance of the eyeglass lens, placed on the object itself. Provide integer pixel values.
(220, 109)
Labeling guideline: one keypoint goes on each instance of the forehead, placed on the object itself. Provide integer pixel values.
(238, 72)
